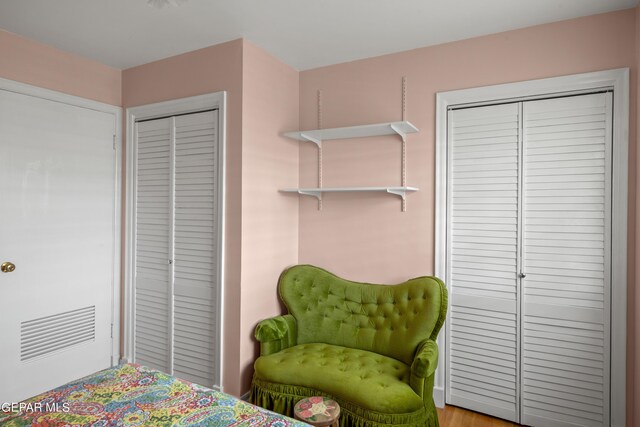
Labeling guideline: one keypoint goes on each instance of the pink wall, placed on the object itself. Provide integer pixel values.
(269, 219)
(37, 64)
(367, 237)
(212, 69)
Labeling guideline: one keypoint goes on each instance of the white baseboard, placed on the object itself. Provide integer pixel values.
(438, 396)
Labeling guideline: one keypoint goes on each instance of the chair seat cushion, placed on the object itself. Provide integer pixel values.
(369, 380)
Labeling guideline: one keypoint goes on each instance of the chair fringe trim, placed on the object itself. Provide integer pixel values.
(282, 398)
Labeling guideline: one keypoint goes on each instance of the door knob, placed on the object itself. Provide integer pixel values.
(7, 267)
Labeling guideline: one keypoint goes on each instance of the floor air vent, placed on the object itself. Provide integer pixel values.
(45, 335)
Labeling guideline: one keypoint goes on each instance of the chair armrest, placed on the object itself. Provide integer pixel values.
(426, 359)
(424, 365)
(276, 333)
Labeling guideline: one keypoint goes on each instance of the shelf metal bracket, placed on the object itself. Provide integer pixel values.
(316, 194)
(316, 141)
(402, 194)
(399, 132)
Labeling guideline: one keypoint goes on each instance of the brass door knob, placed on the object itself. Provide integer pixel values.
(7, 267)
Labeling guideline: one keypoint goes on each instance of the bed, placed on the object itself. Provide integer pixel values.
(133, 395)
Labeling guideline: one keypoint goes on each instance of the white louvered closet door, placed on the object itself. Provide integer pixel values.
(566, 258)
(482, 326)
(153, 245)
(177, 244)
(196, 248)
(529, 256)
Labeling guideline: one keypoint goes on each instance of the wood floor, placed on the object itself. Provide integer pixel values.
(451, 416)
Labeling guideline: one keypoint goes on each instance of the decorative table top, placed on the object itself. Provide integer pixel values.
(317, 410)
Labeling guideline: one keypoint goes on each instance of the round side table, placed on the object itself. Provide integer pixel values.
(318, 411)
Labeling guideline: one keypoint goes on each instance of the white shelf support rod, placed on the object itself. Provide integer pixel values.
(404, 98)
(320, 175)
(404, 161)
(404, 140)
(319, 148)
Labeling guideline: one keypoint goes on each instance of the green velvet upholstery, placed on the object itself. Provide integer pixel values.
(369, 347)
(276, 334)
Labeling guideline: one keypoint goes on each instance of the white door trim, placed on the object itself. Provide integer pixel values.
(192, 104)
(51, 95)
(618, 80)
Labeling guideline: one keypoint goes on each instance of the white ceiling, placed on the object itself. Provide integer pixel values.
(303, 33)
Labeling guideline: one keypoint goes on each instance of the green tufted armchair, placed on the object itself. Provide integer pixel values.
(369, 347)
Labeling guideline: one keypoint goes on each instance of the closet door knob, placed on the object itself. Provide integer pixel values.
(522, 275)
(7, 267)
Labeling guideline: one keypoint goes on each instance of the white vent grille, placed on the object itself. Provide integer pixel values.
(39, 337)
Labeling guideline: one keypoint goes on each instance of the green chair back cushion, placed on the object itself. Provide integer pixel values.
(389, 320)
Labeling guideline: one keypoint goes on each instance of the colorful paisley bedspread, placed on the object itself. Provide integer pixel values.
(133, 395)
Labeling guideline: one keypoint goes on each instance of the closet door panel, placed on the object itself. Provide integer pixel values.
(566, 220)
(152, 245)
(482, 327)
(196, 328)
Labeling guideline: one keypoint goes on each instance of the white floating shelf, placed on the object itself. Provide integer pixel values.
(378, 129)
(317, 192)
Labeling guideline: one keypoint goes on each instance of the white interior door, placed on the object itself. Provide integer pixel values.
(57, 176)
(566, 258)
(482, 241)
(529, 260)
(177, 243)
(196, 288)
(153, 244)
